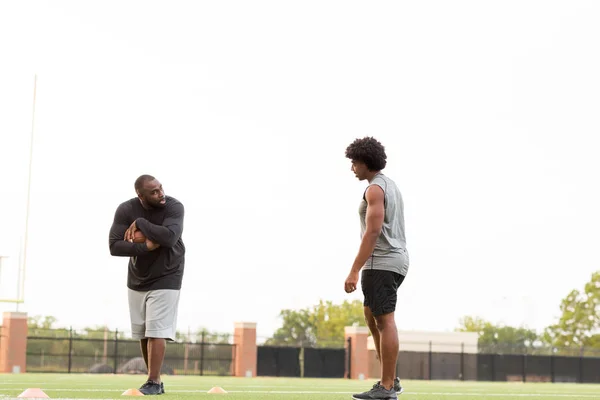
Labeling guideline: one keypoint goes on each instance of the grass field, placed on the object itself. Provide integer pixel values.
(65, 386)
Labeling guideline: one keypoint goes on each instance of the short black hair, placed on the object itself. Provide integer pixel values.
(369, 151)
(139, 182)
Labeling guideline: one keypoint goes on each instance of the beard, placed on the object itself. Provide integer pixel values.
(156, 203)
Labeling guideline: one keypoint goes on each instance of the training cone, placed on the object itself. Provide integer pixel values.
(34, 393)
(217, 389)
(132, 392)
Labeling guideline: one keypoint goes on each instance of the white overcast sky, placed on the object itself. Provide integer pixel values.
(243, 110)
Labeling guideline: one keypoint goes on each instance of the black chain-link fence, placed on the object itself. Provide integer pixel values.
(71, 351)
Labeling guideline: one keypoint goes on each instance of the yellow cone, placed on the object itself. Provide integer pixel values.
(217, 389)
(132, 392)
(34, 393)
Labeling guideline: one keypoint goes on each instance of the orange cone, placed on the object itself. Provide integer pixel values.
(34, 393)
(132, 392)
(217, 390)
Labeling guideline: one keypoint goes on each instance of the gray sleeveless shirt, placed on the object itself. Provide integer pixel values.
(390, 252)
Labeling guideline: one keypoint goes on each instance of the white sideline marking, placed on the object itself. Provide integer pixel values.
(593, 396)
(449, 394)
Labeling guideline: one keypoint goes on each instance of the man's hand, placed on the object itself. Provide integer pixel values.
(351, 282)
(151, 245)
(130, 231)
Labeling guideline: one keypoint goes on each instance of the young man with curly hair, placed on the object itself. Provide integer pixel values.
(383, 258)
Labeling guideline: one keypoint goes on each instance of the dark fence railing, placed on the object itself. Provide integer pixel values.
(67, 351)
(70, 351)
(302, 358)
(439, 361)
(301, 361)
(509, 363)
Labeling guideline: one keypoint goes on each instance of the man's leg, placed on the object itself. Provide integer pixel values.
(388, 350)
(137, 314)
(144, 348)
(370, 283)
(156, 355)
(372, 324)
(161, 311)
(380, 289)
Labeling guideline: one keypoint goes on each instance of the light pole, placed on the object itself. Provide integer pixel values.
(23, 265)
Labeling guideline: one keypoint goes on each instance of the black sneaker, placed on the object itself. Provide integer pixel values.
(151, 387)
(397, 386)
(378, 392)
(162, 387)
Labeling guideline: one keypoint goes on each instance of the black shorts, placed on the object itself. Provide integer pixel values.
(381, 290)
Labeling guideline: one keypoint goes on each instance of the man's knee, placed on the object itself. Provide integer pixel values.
(371, 323)
(384, 321)
(369, 319)
(156, 339)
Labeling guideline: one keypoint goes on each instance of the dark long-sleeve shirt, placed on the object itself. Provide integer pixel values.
(163, 267)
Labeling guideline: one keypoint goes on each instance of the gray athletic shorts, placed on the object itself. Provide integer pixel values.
(154, 313)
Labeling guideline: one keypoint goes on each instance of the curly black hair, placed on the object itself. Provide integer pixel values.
(369, 151)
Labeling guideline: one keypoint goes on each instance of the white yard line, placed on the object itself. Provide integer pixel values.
(313, 392)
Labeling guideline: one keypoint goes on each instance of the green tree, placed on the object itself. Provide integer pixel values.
(473, 324)
(298, 329)
(579, 320)
(203, 335)
(498, 338)
(321, 325)
(206, 336)
(98, 332)
(38, 323)
(331, 319)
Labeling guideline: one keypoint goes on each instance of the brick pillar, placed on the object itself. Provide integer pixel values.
(359, 354)
(244, 338)
(13, 342)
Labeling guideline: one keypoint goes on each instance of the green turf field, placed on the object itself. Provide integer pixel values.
(74, 386)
